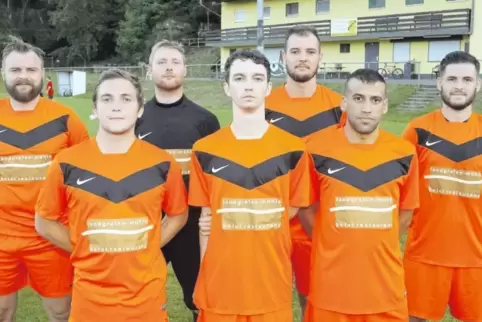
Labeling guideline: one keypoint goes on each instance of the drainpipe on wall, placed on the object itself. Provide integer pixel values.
(472, 15)
(208, 9)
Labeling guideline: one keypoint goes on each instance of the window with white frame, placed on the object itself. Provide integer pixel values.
(266, 12)
(292, 9)
(375, 4)
(401, 52)
(322, 6)
(239, 15)
(439, 48)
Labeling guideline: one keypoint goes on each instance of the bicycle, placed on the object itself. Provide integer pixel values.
(392, 70)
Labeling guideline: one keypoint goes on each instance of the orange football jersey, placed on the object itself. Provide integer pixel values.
(113, 204)
(447, 228)
(28, 142)
(249, 186)
(356, 258)
(303, 117)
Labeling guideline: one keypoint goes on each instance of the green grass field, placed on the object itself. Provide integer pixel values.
(210, 95)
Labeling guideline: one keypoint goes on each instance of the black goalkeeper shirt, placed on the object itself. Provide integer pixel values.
(175, 127)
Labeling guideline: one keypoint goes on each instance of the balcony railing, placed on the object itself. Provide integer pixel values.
(415, 24)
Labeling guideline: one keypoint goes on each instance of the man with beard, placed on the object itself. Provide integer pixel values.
(367, 188)
(173, 122)
(251, 177)
(32, 131)
(303, 108)
(443, 257)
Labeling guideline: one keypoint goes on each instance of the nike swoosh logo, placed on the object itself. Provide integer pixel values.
(214, 170)
(335, 171)
(141, 136)
(276, 120)
(81, 182)
(432, 143)
(3, 130)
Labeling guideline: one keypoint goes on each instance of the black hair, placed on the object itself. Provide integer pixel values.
(366, 75)
(459, 57)
(254, 55)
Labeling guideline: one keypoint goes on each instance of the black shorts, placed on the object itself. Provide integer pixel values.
(184, 254)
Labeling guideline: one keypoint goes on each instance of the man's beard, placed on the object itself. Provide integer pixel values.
(171, 85)
(23, 97)
(458, 107)
(299, 78)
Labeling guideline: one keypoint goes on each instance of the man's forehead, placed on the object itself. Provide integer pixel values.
(356, 86)
(25, 59)
(116, 86)
(460, 70)
(247, 66)
(302, 41)
(167, 52)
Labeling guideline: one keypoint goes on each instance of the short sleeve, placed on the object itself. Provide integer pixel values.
(301, 178)
(175, 195)
(77, 130)
(51, 202)
(198, 187)
(409, 194)
(410, 134)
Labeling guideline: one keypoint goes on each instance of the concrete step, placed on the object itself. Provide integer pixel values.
(419, 101)
(427, 94)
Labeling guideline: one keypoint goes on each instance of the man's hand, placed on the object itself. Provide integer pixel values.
(204, 229)
(205, 222)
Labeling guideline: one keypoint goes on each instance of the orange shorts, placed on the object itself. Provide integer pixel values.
(301, 256)
(313, 314)
(278, 316)
(48, 271)
(162, 316)
(301, 260)
(431, 288)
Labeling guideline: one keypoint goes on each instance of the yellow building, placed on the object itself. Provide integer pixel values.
(358, 33)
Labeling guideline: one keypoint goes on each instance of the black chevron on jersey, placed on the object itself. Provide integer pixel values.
(450, 150)
(302, 128)
(364, 180)
(248, 178)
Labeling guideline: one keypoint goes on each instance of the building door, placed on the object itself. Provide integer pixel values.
(372, 52)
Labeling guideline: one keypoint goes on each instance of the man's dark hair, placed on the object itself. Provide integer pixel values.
(301, 30)
(365, 75)
(254, 55)
(459, 57)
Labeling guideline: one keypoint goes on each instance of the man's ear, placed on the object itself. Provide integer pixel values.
(226, 89)
(93, 114)
(140, 112)
(343, 104)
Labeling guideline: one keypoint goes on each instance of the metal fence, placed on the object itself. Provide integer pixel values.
(402, 71)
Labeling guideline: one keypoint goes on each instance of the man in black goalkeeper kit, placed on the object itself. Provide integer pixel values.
(174, 123)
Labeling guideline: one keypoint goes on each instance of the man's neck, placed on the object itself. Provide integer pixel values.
(456, 116)
(109, 143)
(358, 138)
(249, 126)
(295, 89)
(170, 96)
(21, 107)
